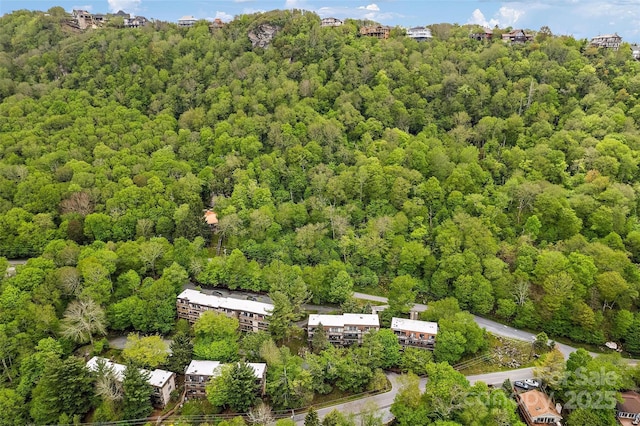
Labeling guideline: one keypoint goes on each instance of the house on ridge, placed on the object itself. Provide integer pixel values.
(331, 22)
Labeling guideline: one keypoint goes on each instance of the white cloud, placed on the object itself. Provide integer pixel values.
(478, 18)
(251, 11)
(86, 7)
(508, 16)
(370, 12)
(296, 4)
(128, 6)
(223, 16)
(371, 6)
(504, 17)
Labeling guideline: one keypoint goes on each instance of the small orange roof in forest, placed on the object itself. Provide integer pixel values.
(210, 217)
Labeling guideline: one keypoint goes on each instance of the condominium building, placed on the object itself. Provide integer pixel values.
(198, 374)
(163, 382)
(252, 315)
(345, 329)
(414, 333)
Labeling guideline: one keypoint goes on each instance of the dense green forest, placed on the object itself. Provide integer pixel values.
(503, 175)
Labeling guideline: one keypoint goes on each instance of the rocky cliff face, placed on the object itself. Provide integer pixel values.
(262, 35)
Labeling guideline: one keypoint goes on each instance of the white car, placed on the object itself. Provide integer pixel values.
(532, 383)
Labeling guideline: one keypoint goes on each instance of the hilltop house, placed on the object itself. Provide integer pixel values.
(608, 41)
(83, 19)
(635, 51)
(419, 33)
(414, 333)
(216, 24)
(253, 316)
(537, 408)
(517, 36)
(377, 31)
(485, 35)
(135, 22)
(331, 22)
(345, 329)
(198, 374)
(163, 382)
(187, 21)
(628, 411)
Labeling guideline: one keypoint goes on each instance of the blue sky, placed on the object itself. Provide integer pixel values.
(580, 18)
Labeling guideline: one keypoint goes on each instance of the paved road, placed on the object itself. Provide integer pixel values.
(491, 326)
(383, 401)
(119, 342)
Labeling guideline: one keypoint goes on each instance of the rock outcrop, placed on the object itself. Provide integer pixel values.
(262, 35)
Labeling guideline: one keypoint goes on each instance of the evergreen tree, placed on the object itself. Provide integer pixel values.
(137, 393)
(235, 387)
(319, 342)
(312, 419)
(632, 337)
(66, 388)
(181, 353)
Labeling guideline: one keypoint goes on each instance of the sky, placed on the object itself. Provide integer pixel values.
(579, 18)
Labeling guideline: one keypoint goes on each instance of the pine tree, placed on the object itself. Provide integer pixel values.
(181, 352)
(312, 419)
(137, 393)
(319, 341)
(66, 387)
(235, 387)
(632, 338)
(243, 387)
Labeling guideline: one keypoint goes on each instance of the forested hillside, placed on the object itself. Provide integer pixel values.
(505, 176)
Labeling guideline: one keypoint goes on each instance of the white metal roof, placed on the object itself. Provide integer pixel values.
(118, 369)
(414, 325)
(157, 377)
(200, 298)
(344, 319)
(204, 368)
(259, 368)
(210, 368)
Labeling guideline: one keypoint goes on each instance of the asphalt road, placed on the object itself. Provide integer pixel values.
(119, 342)
(491, 326)
(382, 402)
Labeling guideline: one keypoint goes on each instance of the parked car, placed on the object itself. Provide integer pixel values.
(217, 293)
(252, 298)
(521, 384)
(532, 383)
